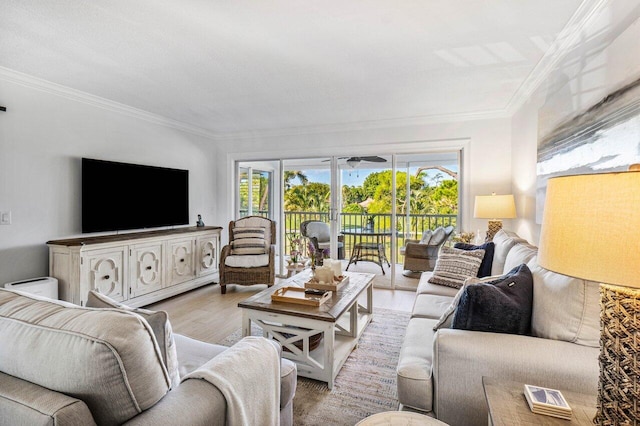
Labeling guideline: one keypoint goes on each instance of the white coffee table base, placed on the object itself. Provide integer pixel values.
(339, 338)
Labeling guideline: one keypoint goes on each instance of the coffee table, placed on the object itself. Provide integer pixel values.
(341, 320)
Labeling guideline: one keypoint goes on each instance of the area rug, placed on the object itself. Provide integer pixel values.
(365, 385)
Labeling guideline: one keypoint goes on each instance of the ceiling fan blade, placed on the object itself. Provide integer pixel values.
(373, 159)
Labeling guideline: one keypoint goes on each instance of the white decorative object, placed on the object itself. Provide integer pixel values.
(324, 274)
(335, 265)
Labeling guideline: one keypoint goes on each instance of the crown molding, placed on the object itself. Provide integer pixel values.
(358, 126)
(566, 40)
(46, 86)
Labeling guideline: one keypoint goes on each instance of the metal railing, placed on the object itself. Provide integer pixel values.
(377, 222)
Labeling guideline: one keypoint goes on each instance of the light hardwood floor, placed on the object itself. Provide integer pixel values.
(207, 315)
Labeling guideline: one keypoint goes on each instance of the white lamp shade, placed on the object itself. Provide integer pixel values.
(591, 227)
(494, 207)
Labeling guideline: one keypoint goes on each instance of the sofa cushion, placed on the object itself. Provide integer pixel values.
(454, 266)
(248, 241)
(520, 253)
(247, 261)
(504, 241)
(414, 373)
(500, 306)
(430, 306)
(565, 308)
(425, 287)
(25, 403)
(487, 260)
(110, 355)
(159, 322)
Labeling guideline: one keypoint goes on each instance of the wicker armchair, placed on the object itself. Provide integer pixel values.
(263, 274)
(421, 256)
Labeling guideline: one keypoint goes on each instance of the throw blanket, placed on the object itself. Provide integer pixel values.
(248, 375)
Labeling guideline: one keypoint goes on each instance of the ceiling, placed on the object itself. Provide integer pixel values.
(234, 67)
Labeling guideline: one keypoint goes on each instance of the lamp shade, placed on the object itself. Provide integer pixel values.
(494, 207)
(591, 227)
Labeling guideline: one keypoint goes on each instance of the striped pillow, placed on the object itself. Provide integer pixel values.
(454, 266)
(248, 240)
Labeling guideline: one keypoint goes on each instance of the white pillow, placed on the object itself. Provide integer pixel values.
(454, 266)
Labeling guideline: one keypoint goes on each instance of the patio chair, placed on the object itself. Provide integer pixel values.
(318, 233)
(249, 258)
(421, 255)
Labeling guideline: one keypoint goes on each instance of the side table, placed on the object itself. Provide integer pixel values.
(399, 418)
(508, 406)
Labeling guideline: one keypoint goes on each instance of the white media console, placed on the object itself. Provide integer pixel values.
(136, 268)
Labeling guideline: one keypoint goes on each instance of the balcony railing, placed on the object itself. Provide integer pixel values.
(418, 223)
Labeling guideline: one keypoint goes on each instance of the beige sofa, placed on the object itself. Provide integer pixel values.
(441, 371)
(61, 364)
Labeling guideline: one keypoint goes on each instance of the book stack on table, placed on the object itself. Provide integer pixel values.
(549, 402)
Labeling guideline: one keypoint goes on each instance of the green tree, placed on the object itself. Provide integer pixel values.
(290, 175)
(312, 197)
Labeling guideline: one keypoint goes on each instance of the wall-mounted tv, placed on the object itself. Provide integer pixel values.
(119, 196)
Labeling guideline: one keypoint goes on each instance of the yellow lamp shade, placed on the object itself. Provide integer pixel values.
(494, 207)
(591, 227)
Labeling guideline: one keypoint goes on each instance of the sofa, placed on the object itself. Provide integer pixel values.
(62, 364)
(440, 371)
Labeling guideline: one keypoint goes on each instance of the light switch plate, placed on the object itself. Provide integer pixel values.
(5, 218)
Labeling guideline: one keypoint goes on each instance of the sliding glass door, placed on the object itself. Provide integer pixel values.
(365, 208)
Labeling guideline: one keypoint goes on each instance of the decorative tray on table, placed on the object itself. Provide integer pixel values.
(337, 284)
(300, 296)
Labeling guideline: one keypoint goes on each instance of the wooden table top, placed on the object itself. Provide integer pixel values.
(110, 238)
(508, 406)
(329, 311)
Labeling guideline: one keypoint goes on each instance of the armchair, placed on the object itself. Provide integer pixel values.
(421, 255)
(249, 263)
(319, 235)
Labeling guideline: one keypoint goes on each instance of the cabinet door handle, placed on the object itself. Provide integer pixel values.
(148, 268)
(207, 255)
(181, 260)
(106, 277)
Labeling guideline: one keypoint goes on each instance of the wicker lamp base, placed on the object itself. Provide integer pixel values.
(619, 384)
(494, 227)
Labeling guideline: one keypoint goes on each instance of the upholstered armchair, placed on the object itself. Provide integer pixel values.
(319, 234)
(421, 255)
(249, 258)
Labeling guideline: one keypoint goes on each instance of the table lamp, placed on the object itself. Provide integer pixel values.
(591, 230)
(494, 207)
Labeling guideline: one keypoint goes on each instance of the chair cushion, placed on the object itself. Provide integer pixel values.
(425, 287)
(454, 266)
(430, 306)
(520, 253)
(247, 261)
(111, 354)
(256, 222)
(487, 260)
(159, 322)
(248, 241)
(426, 236)
(500, 306)
(564, 308)
(320, 230)
(439, 235)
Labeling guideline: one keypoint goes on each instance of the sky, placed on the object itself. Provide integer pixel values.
(357, 176)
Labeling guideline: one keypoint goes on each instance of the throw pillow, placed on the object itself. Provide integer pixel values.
(500, 306)
(159, 323)
(446, 319)
(485, 266)
(248, 240)
(454, 266)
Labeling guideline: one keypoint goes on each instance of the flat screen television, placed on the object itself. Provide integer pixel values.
(120, 196)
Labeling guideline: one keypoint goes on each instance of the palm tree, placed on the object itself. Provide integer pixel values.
(289, 175)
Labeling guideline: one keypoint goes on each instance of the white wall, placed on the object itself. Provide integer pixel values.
(606, 59)
(487, 165)
(42, 138)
